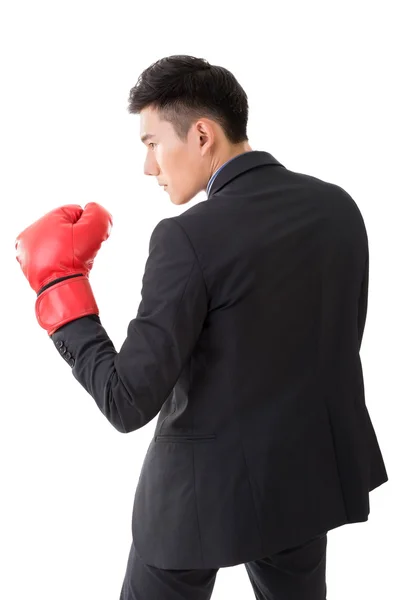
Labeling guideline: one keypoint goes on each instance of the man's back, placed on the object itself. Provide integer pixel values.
(265, 440)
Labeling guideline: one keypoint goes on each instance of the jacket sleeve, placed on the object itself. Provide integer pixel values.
(130, 386)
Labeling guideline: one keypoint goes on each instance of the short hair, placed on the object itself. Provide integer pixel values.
(185, 88)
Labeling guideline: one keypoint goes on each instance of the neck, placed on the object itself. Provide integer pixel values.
(227, 154)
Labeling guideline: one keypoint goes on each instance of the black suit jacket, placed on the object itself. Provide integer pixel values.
(246, 345)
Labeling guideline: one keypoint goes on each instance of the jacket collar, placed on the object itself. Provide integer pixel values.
(241, 164)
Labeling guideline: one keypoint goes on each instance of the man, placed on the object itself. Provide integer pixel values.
(245, 344)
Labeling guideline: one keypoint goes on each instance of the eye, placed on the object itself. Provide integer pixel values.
(152, 144)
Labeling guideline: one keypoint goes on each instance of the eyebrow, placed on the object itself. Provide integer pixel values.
(146, 137)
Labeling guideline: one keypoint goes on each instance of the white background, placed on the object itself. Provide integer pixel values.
(321, 81)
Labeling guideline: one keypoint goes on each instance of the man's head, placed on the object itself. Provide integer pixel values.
(193, 118)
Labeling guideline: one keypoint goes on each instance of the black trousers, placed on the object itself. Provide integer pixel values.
(294, 574)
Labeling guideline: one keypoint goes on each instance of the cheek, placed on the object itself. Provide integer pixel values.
(163, 158)
(170, 162)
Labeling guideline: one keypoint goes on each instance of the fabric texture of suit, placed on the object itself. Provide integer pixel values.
(246, 344)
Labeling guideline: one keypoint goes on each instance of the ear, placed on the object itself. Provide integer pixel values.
(206, 134)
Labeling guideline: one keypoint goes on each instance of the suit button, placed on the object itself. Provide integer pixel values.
(72, 362)
(63, 350)
(68, 355)
(59, 344)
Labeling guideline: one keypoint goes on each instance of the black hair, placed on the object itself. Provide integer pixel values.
(184, 88)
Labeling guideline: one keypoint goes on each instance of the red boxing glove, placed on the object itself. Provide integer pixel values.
(56, 254)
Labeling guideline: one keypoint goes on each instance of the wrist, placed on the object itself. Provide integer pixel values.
(65, 300)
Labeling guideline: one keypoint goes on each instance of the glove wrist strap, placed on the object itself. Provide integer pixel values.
(66, 301)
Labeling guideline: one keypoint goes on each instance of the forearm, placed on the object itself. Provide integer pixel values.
(89, 351)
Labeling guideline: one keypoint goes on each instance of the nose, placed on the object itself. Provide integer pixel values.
(150, 166)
